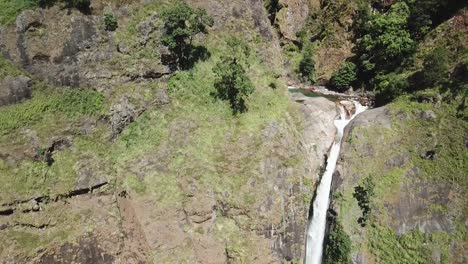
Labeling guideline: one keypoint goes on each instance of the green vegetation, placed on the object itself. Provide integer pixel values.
(345, 76)
(232, 83)
(272, 7)
(338, 246)
(392, 44)
(307, 64)
(436, 68)
(181, 24)
(8, 69)
(68, 102)
(389, 86)
(363, 194)
(110, 22)
(9, 10)
(384, 40)
(413, 247)
(409, 136)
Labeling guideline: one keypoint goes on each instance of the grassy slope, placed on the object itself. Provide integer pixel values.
(220, 152)
(10, 9)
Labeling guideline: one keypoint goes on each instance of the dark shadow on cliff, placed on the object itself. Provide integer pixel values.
(186, 59)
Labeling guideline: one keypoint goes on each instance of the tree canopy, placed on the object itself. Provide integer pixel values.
(232, 82)
(386, 40)
(181, 24)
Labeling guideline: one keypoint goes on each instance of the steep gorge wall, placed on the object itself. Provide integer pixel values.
(415, 207)
(198, 194)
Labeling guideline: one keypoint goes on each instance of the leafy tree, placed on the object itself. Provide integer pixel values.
(338, 246)
(307, 64)
(345, 75)
(427, 14)
(110, 22)
(385, 40)
(232, 83)
(436, 67)
(181, 24)
(363, 194)
(389, 86)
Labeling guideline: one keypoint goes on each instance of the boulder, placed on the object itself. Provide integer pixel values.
(121, 114)
(15, 89)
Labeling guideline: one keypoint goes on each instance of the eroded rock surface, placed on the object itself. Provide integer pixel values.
(405, 201)
(14, 89)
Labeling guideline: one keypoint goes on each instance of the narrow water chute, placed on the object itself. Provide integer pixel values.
(316, 227)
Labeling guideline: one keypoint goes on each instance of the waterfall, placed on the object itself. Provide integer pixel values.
(316, 228)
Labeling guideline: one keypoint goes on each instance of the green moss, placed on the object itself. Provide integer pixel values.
(9, 9)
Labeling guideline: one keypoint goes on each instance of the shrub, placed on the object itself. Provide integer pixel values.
(363, 194)
(389, 86)
(307, 65)
(345, 76)
(338, 246)
(181, 24)
(110, 22)
(436, 67)
(232, 83)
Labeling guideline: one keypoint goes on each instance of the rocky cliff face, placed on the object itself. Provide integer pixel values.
(394, 189)
(124, 169)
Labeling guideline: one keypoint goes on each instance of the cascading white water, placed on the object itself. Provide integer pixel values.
(316, 228)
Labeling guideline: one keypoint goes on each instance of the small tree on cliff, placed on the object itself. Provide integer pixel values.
(181, 24)
(232, 83)
(307, 64)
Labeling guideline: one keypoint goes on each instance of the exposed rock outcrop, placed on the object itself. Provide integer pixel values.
(14, 89)
(379, 153)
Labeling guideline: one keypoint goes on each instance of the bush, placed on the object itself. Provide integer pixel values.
(389, 86)
(307, 65)
(338, 246)
(363, 194)
(436, 68)
(110, 22)
(181, 24)
(345, 76)
(232, 83)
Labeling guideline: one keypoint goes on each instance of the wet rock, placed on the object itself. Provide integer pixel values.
(349, 108)
(14, 89)
(121, 114)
